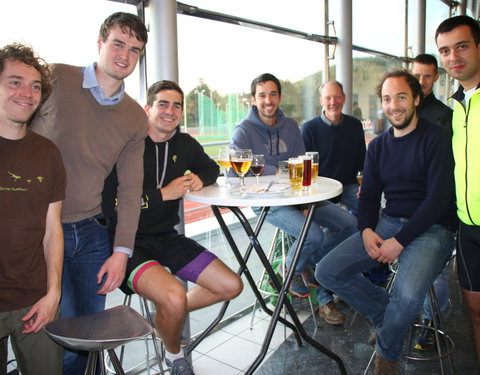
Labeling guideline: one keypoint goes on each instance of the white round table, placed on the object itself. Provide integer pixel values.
(324, 188)
(217, 197)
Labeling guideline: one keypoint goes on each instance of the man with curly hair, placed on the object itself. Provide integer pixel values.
(411, 165)
(32, 187)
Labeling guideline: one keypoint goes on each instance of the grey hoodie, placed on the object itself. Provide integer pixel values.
(278, 142)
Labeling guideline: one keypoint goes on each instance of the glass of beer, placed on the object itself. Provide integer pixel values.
(359, 177)
(295, 172)
(307, 172)
(257, 166)
(241, 161)
(224, 161)
(315, 159)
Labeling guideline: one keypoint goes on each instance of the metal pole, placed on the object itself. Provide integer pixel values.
(420, 17)
(162, 46)
(326, 46)
(344, 51)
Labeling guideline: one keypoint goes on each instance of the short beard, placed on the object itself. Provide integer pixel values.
(404, 124)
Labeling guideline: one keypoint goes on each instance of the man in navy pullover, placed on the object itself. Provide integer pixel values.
(174, 163)
(412, 164)
(339, 140)
(266, 130)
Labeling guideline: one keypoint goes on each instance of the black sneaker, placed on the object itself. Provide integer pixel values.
(426, 339)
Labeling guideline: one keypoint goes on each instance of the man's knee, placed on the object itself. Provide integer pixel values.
(323, 274)
(169, 299)
(235, 287)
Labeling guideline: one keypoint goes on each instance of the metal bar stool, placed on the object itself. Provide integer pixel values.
(444, 343)
(100, 331)
(145, 311)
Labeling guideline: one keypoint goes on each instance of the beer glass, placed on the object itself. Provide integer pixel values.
(295, 172)
(315, 159)
(241, 161)
(307, 172)
(360, 177)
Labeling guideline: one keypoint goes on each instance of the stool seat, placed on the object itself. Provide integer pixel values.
(99, 331)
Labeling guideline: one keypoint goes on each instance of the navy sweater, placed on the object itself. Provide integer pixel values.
(341, 147)
(416, 173)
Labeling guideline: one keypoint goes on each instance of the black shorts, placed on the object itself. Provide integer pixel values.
(183, 256)
(468, 257)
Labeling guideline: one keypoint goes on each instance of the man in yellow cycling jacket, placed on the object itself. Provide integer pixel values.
(458, 43)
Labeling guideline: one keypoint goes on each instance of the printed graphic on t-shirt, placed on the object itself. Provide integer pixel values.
(16, 182)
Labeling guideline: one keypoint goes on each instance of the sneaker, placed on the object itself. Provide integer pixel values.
(309, 277)
(384, 367)
(331, 314)
(179, 366)
(426, 339)
(298, 287)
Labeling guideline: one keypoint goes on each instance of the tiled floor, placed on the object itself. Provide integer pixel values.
(231, 349)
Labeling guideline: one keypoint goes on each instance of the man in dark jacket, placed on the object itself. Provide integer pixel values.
(425, 69)
(174, 163)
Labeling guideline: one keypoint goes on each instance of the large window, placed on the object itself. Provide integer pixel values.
(218, 61)
(61, 31)
(304, 15)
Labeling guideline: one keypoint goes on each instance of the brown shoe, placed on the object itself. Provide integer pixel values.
(372, 340)
(331, 314)
(384, 367)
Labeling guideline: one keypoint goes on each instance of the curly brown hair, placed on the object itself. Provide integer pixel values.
(25, 54)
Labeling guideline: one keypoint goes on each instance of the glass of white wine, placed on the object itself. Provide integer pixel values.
(241, 161)
(224, 161)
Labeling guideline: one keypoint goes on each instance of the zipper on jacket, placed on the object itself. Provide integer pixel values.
(466, 160)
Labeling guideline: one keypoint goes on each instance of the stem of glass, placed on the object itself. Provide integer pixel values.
(227, 172)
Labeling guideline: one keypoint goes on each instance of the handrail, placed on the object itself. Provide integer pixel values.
(191, 10)
(226, 18)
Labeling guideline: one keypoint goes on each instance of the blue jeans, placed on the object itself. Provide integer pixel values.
(339, 225)
(349, 197)
(86, 249)
(441, 289)
(391, 314)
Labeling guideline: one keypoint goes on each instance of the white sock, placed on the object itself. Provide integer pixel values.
(172, 357)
